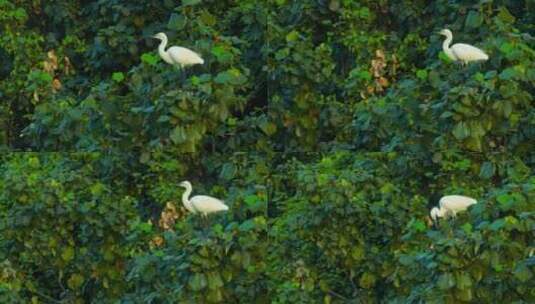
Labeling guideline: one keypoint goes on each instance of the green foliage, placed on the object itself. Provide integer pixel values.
(218, 264)
(63, 229)
(369, 77)
(342, 239)
(329, 127)
(354, 228)
(208, 266)
(486, 259)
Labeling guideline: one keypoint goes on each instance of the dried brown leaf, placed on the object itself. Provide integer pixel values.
(56, 85)
(168, 216)
(67, 66)
(52, 60)
(157, 241)
(383, 82)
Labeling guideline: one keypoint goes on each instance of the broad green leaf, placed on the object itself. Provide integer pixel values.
(487, 170)
(190, 2)
(505, 16)
(208, 18)
(473, 20)
(357, 253)
(145, 227)
(507, 48)
(443, 57)
(197, 281)
(214, 280)
(434, 78)
(34, 162)
(419, 226)
(461, 131)
(176, 22)
(245, 259)
(497, 224)
(334, 5)
(467, 228)
(523, 273)
(508, 74)
(228, 171)
(422, 74)
(507, 108)
(292, 36)
(463, 280)
(68, 254)
(222, 54)
(75, 281)
(117, 76)
(223, 77)
(215, 296)
(251, 200)
(504, 199)
(268, 128)
(149, 59)
(367, 280)
(465, 294)
(247, 225)
(363, 74)
(178, 135)
(446, 281)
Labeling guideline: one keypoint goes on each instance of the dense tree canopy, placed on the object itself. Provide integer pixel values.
(329, 127)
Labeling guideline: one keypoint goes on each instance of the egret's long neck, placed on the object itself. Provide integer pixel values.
(185, 200)
(446, 48)
(163, 53)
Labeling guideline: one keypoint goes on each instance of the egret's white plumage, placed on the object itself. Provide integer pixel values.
(201, 203)
(177, 55)
(460, 51)
(451, 204)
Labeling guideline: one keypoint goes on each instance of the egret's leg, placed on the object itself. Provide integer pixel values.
(182, 73)
(205, 220)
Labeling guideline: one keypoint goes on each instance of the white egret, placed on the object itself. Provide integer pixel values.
(460, 51)
(201, 203)
(450, 205)
(177, 55)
